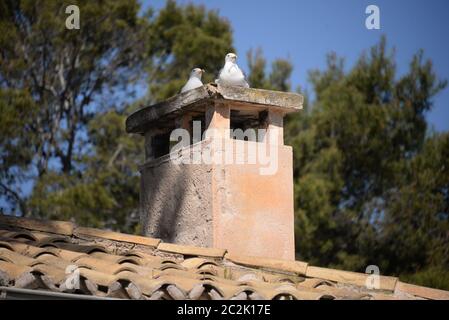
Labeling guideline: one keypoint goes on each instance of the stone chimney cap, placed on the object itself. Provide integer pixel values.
(198, 98)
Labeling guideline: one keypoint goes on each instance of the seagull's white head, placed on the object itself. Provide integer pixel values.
(231, 57)
(197, 72)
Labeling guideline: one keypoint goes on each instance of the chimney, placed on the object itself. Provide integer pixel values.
(231, 185)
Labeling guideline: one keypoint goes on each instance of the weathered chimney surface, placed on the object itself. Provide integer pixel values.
(226, 205)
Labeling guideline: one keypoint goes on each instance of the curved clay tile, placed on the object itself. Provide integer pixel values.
(145, 285)
(67, 255)
(18, 247)
(196, 292)
(158, 262)
(214, 294)
(342, 292)
(50, 237)
(23, 235)
(196, 263)
(52, 240)
(171, 265)
(97, 264)
(175, 292)
(16, 258)
(250, 277)
(313, 283)
(224, 289)
(240, 296)
(13, 271)
(53, 260)
(124, 269)
(53, 276)
(82, 248)
(116, 259)
(139, 270)
(100, 279)
(132, 290)
(6, 245)
(36, 255)
(209, 271)
(327, 297)
(207, 278)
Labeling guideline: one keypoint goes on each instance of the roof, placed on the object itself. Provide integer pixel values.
(35, 256)
(197, 99)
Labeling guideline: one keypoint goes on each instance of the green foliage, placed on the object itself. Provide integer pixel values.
(277, 79)
(181, 38)
(257, 65)
(418, 210)
(64, 70)
(17, 110)
(370, 188)
(433, 277)
(52, 81)
(105, 193)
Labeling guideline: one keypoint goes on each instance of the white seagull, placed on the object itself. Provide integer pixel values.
(194, 80)
(231, 74)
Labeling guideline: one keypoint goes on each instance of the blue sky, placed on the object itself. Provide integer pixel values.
(305, 30)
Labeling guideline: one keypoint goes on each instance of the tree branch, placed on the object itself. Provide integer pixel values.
(16, 196)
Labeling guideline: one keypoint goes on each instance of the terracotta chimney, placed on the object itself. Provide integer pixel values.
(200, 194)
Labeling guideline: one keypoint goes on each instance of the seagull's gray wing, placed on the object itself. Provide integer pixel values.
(191, 84)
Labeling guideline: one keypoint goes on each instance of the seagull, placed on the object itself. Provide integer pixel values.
(194, 80)
(231, 74)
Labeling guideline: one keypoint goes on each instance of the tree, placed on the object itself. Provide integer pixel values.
(277, 79)
(17, 110)
(414, 232)
(358, 154)
(257, 65)
(105, 193)
(63, 72)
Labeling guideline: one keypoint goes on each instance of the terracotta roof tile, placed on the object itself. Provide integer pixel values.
(197, 263)
(117, 236)
(18, 235)
(354, 278)
(16, 258)
(52, 260)
(347, 292)
(97, 277)
(13, 270)
(424, 292)
(35, 255)
(6, 245)
(118, 259)
(66, 255)
(192, 251)
(314, 282)
(53, 274)
(297, 267)
(28, 250)
(81, 248)
(60, 227)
